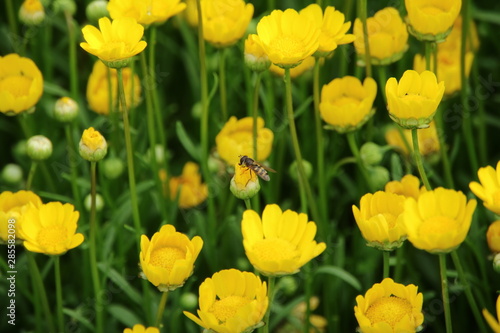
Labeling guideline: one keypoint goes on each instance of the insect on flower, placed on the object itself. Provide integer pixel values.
(259, 169)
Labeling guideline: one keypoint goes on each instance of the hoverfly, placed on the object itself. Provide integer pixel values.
(260, 170)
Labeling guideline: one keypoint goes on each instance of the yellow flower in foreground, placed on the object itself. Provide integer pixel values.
(188, 186)
(167, 260)
(432, 20)
(98, 88)
(428, 141)
(288, 37)
(138, 328)
(145, 12)
(413, 101)
(245, 182)
(13, 206)
(409, 187)
(281, 242)
(332, 26)
(439, 220)
(346, 103)
(492, 321)
(31, 12)
(50, 228)
(231, 301)
(493, 237)
(225, 21)
(296, 71)
(236, 138)
(387, 35)
(21, 84)
(93, 146)
(488, 190)
(389, 307)
(379, 220)
(116, 42)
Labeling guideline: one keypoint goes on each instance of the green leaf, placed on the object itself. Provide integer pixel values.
(186, 142)
(341, 274)
(79, 317)
(120, 281)
(123, 315)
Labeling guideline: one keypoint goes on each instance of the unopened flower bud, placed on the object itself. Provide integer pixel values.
(112, 167)
(496, 263)
(39, 148)
(189, 301)
(93, 146)
(245, 183)
(65, 6)
(31, 12)
(294, 172)
(371, 153)
(379, 176)
(493, 237)
(96, 10)
(159, 153)
(99, 202)
(288, 284)
(65, 109)
(255, 57)
(243, 264)
(12, 174)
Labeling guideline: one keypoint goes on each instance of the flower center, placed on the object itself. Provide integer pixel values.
(50, 237)
(226, 308)
(275, 249)
(389, 309)
(166, 257)
(437, 225)
(288, 46)
(18, 85)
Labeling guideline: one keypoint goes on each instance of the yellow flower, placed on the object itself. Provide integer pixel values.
(409, 187)
(191, 13)
(31, 12)
(245, 183)
(493, 237)
(50, 228)
(231, 301)
(296, 71)
(255, 56)
(488, 190)
(145, 12)
(389, 307)
(379, 220)
(236, 138)
(439, 220)
(387, 35)
(332, 26)
(492, 321)
(116, 42)
(346, 103)
(428, 141)
(13, 206)
(288, 37)
(93, 146)
(225, 21)
(138, 328)
(454, 39)
(281, 242)
(188, 186)
(167, 260)
(21, 84)
(431, 20)
(413, 101)
(98, 88)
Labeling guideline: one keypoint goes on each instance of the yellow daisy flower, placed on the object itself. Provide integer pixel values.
(188, 186)
(145, 12)
(13, 206)
(408, 186)
(93, 146)
(488, 190)
(492, 321)
(138, 328)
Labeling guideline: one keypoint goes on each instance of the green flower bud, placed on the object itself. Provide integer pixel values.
(159, 153)
(189, 301)
(112, 167)
(96, 10)
(93, 146)
(379, 176)
(32, 13)
(39, 148)
(243, 264)
(65, 109)
(294, 172)
(288, 284)
(196, 110)
(245, 183)
(65, 6)
(12, 174)
(99, 202)
(372, 154)
(496, 263)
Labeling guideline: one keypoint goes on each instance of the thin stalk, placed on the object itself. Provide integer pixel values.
(382, 80)
(161, 309)
(48, 68)
(418, 159)
(386, 256)
(92, 248)
(470, 297)
(482, 137)
(31, 175)
(73, 166)
(12, 18)
(38, 282)
(255, 113)
(428, 52)
(59, 307)
(115, 114)
(270, 295)
(73, 66)
(308, 295)
(222, 83)
(444, 156)
(363, 10)
(444, 289)
(153, 87)
(296, 147)
(248, 204)
(399, 263)
(320, 149)
(351, 139)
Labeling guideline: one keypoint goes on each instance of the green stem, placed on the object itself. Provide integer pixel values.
(308, 295)
(296, 147)
(222, 83)
(92, 248)
(399, 263)
(57, 273)
(270, 295)
(153, 87)
(12, 18)
(362, 10)
(428, 52)
(73, 65)
(255, 113)
(470, 297)
(31, 175)
(418, 159)
(382, 80)
(386, 256)
(444, 156)
(248, 204)
(161, 309)
(73, 166)
(38, 282)
(351, 139)
(444, 288)
(320, 150)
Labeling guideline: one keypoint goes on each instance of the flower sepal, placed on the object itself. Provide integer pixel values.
(387, 246)
(438, 38)
(412, 123)
(346, 128)
(120, 63)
